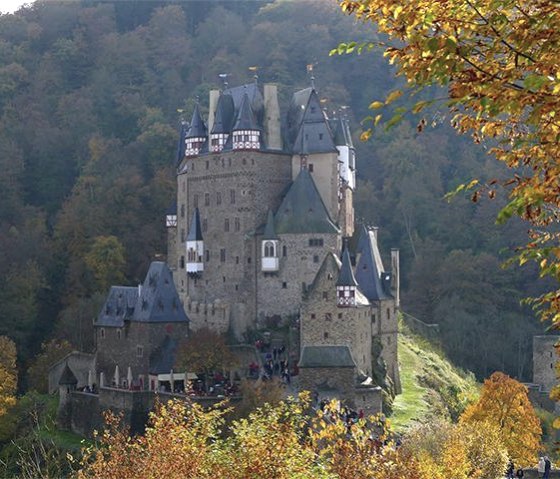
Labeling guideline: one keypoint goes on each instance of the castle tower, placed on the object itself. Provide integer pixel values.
(171, 225)
(222, 123)
(246, 134)
(346, 283)
(197, 134)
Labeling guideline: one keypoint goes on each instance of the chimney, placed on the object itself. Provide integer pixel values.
(214, 95)
(272, 117)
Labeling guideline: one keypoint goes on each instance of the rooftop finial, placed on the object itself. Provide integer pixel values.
(313, 82)
(224, 77)
(256, 77)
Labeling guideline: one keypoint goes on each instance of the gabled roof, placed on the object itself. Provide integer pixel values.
(302, 209)
(67, 377)
(197, 127)
(225, 112)
(245, 118)
(326, 357)
(369, 267)
(155, 301)
(314, 134)
(195, 230)
(118, 307)
(158, 300)
(269, 231)
(346, 275)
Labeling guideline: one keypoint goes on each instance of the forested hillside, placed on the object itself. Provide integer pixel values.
(91, 97)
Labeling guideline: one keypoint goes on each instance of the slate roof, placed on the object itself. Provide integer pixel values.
(341, 132)
(197, 128)
(119, 306)
(225, 111)
(369, 267)
(255, 96)
(155, 301)
(195, 230)
(302, 210)
(326, 357)
(245, 118)
(314, 134)
(269, 231)
(67, 377)
(158, 300)
(181, 145)
(346, 275)
(162, 359)
(172, 210)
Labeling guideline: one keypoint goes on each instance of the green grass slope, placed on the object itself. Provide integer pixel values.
(431, 385)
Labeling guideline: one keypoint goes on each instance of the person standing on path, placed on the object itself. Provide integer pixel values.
(540, 467)
(546, 467)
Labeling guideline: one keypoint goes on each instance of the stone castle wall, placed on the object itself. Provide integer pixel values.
(281, 293)
(233, 192)
(544, 360)
(131, 346)
(80, 363)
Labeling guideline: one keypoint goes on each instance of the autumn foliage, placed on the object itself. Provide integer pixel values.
(505, 407)
(498, 60)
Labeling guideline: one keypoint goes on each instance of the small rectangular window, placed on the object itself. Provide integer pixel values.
(237, 224)
(204, 224)
(232, 196)
(218, 198)
(207, 255)
(139, 351)
(312, 315)
(182, 211)
(310, 167)
(195, 201)
(326, 335)
(316, 258)
(223, 255)
(182, 235)
(303, 287)
(284, 285)
(226, 225)
(328, 317)
(206, 199)
(325, 295)
(339, 315)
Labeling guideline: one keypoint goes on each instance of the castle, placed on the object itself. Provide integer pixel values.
(260, 232)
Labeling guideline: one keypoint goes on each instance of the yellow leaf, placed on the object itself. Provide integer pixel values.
(375, 105)
(393, 96)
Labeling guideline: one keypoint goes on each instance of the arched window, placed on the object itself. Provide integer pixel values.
(269, 249)
(191, 255)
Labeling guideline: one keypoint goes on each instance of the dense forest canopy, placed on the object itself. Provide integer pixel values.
(91, 96)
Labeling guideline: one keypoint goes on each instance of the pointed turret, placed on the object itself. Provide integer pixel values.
(223, 121)
(197, 134)
(195, 246)
(269, 246)
(369, 269)
(346, 153)
(346, 282)
(246, 134)
(314, 134)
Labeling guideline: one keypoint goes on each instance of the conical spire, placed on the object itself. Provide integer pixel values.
(346, 275)
(197, 128)
(195, 231)
(224, 115)
(245, 118)
(269, 232)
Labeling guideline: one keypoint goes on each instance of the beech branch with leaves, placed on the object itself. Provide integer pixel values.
(499, 61)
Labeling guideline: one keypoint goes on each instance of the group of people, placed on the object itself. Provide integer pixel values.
(543, 468)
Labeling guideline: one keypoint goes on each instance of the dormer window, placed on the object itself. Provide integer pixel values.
(217, 141)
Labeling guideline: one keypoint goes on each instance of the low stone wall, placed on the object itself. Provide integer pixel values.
(80, 363)
(85, 414)
(419, 327)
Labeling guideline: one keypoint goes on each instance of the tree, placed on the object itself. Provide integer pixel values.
(106, 261)
(205, 351)
(8, 374)
(504, 404)
(499, 61)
